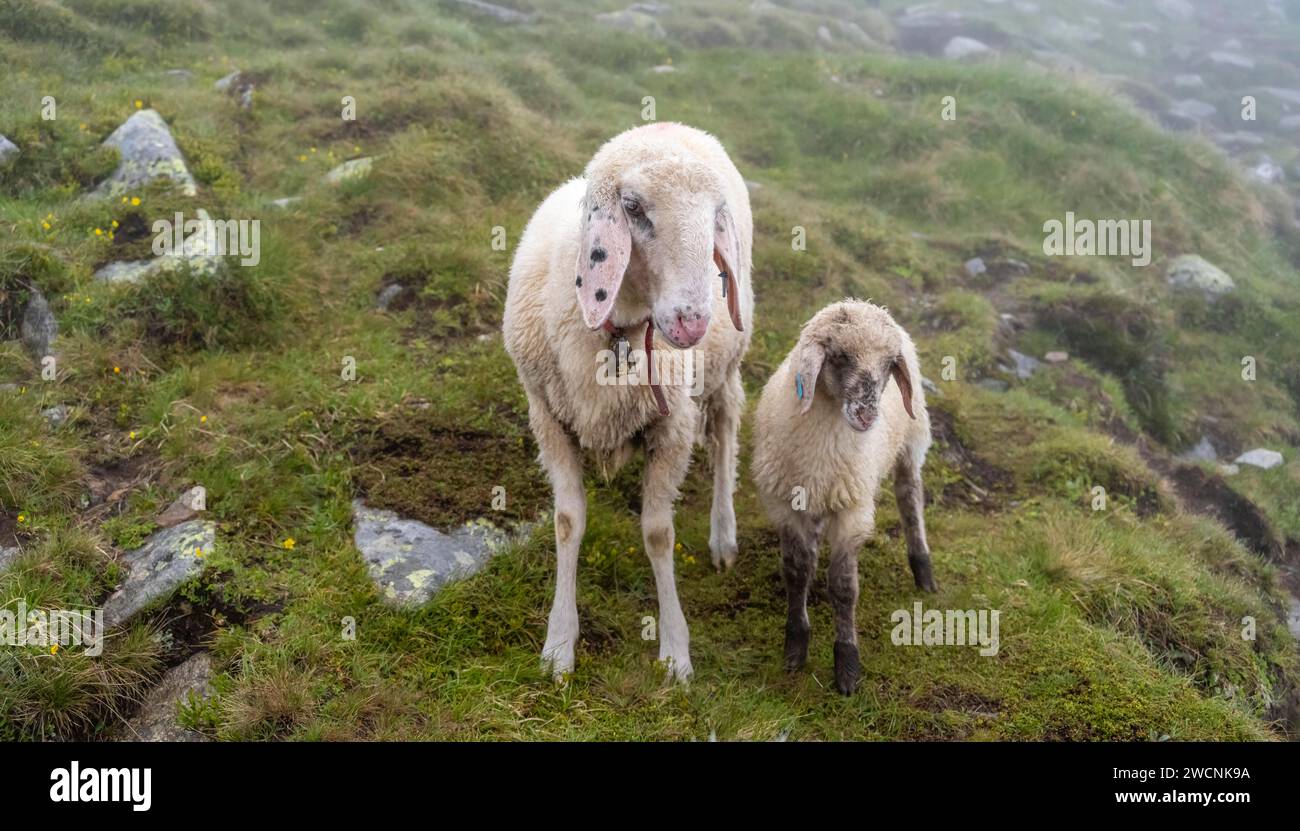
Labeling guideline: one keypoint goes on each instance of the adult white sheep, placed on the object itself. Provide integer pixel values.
(829, 428)
(660, 216)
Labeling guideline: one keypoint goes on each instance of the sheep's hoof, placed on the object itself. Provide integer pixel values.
(796, 648)
(923, 574)
(725, 558)
(847, 667)
(679, 671)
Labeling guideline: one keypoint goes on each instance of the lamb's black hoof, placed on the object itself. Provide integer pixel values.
(847, 668)
(796, 648)
(923, 574)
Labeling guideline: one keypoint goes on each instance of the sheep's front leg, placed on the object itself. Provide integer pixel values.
(668, 453)
(799, 562)
(724, 423)
(911, 508)
(849, 530)
(563, 465)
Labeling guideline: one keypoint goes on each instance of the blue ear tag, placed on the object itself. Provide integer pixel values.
(798, 384)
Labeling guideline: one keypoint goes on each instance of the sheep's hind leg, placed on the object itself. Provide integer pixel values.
(799, 562)
(724, 422)
(848, 531)
(563, 465)
(668, 454)
(911, 508)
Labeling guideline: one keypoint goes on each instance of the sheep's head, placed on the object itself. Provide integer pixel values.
(657, 214)
(850, 350)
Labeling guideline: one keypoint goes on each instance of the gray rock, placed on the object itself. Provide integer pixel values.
(148, 153)
(227, 83)
(1193, 273)
(961, 47)
(194, 255)
(825, 36)
(167, 559)
(39, 327)
(1268, 171)
(854, 32)
(352, 170)
(498, 13)
(663, 69)
(1026, 365)
(1193, 110)
(1072, 32)
(182, 75)
(55, 416)
(158, 719)
(1189, 81)
(1291, 96)
(633, 22)
(1229, 470)
(650, 8)
(1260, 457)
(388, 295)
(1057, 357)
(1180, 10)
(184, 508)
(238, 84)
(1293, 617)
(410, 561)
(974, 267)
(993, 384)
(1224, 58)
(8, 149)
(1203, 452)
(8, 555)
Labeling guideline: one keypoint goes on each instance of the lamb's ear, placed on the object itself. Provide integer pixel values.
(603, 254)
(807, 366)
(726, 256)
(898, 369)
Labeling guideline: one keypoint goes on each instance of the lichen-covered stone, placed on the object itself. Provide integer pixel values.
(158, 719)
(148, 152)
(168, 559)
(410, 561)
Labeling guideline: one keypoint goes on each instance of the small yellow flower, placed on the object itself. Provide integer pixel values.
(289, 543)
(22, 517)
(198, 552)
(313, 150)
(117, 370)
(125, 200)
(54, 649)
(83, 125)
(203, 419)
(135, 200)
(131, 435)
(115, 223)
(99, 232)
(631, 549)
(139, 104)
(45, 225)
(678, 546)
(356, 148)
(302, 158)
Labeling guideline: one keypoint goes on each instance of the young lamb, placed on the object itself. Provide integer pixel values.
(660, 216)
(829, 428)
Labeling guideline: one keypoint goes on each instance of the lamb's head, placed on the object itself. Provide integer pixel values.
(656, 214)
(850, 350)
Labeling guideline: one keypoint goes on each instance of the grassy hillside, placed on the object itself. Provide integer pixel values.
(1116, 624)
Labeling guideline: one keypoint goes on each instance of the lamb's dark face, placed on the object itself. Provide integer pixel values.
(856, 382)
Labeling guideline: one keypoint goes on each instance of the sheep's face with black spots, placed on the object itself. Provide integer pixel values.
(849, 352)
(661, 223)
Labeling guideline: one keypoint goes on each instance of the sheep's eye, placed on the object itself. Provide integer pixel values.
(633, 207)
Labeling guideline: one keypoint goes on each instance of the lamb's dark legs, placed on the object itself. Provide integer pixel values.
(799, 560)
(911, 508)
(848, 531)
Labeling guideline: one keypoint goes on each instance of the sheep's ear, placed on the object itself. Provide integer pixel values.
(898, 369)
(603, 255)
(807, 366)
(726, 256)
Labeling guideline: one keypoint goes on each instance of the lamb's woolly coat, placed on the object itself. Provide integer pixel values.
(836, 467)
